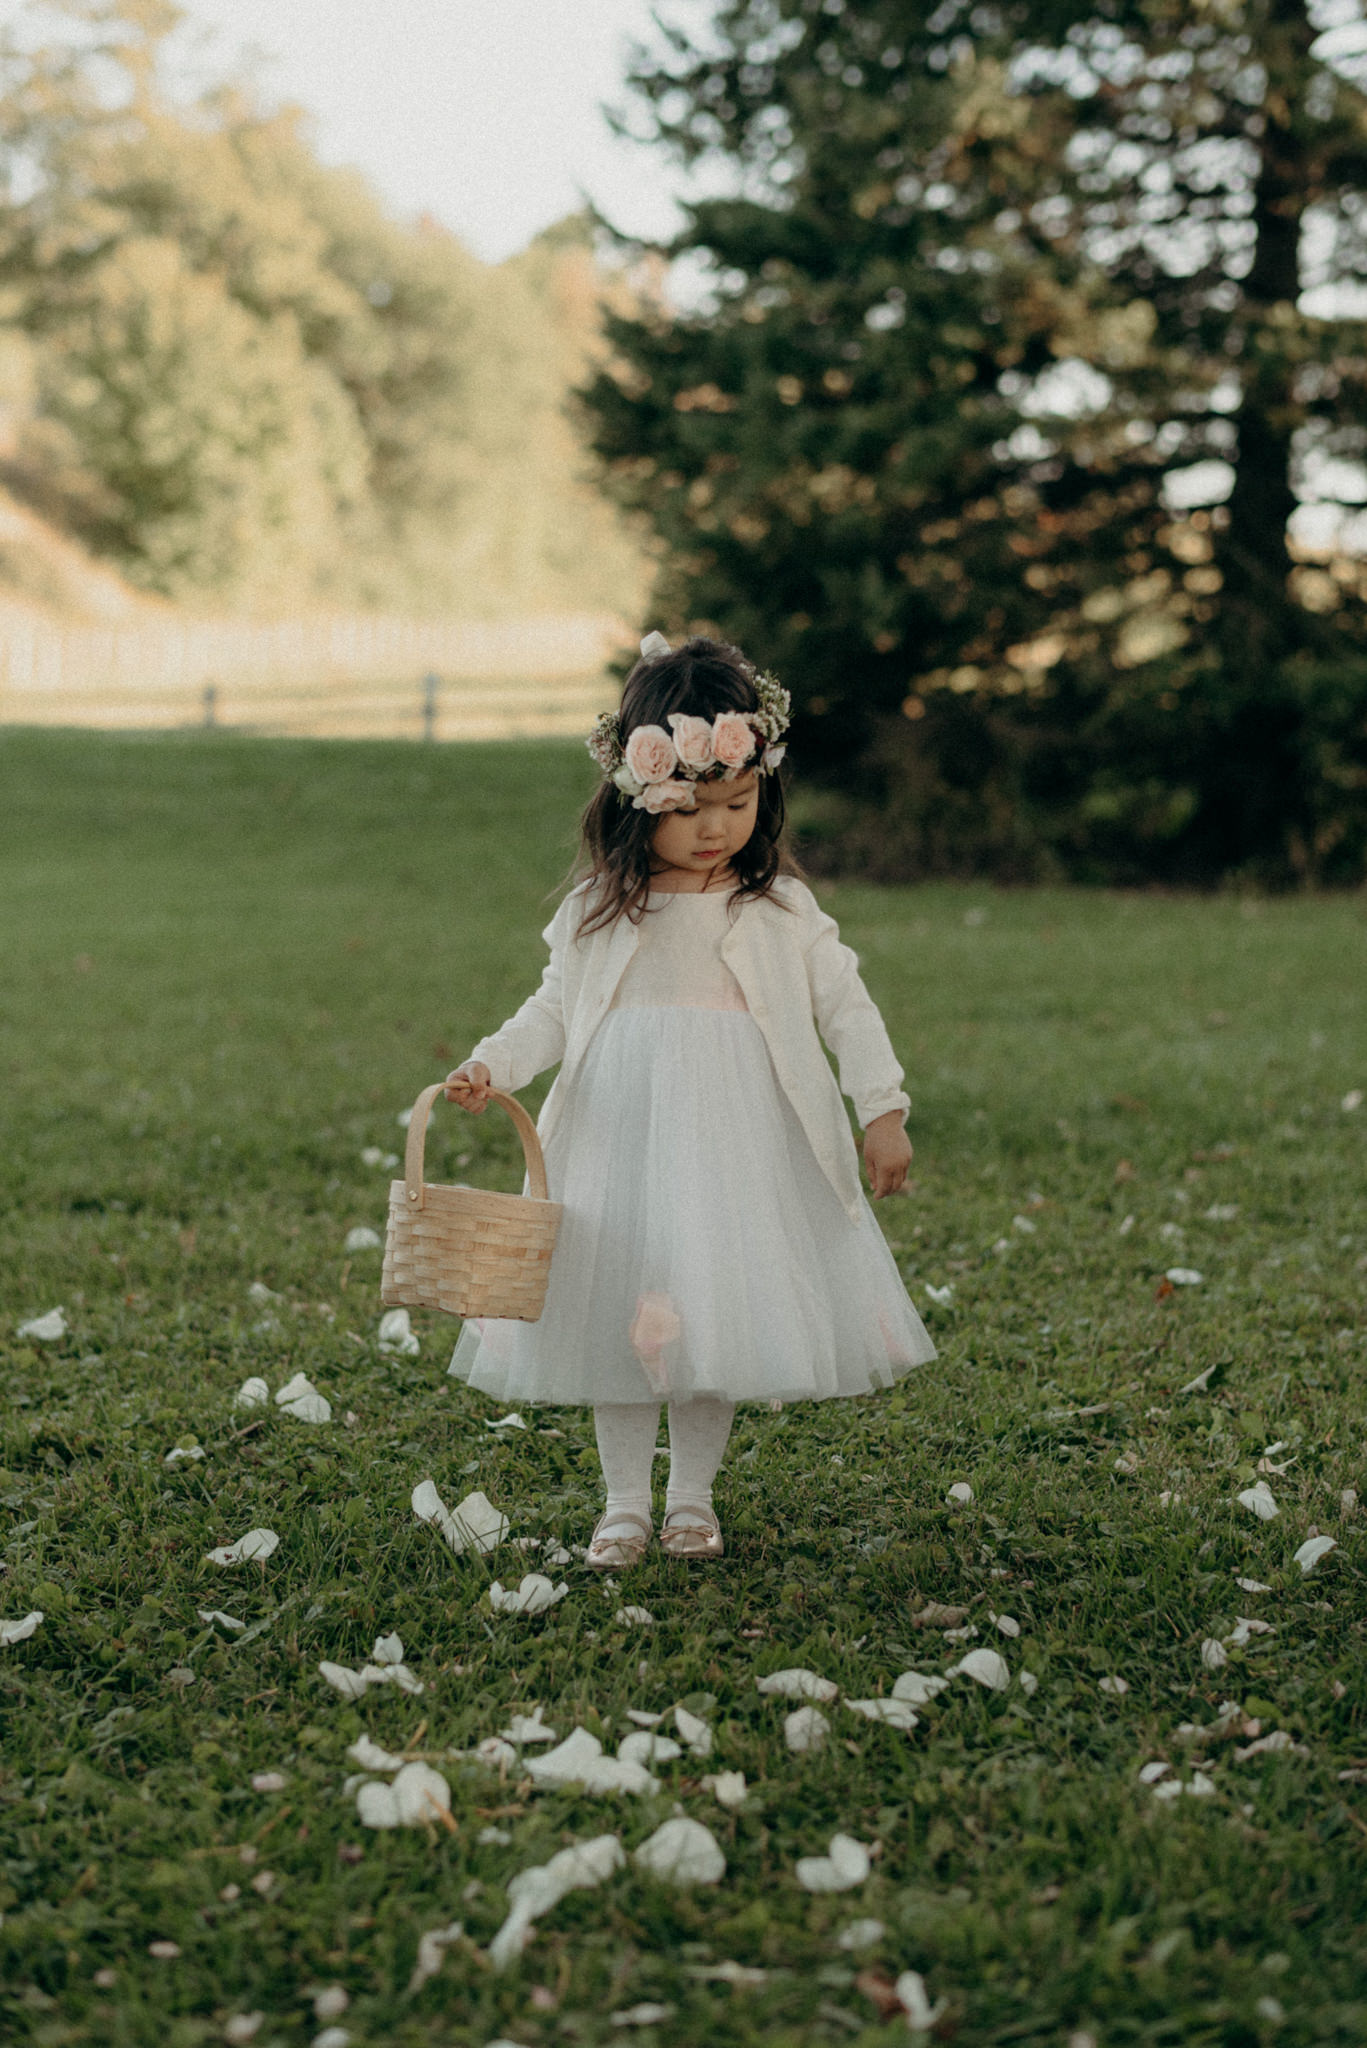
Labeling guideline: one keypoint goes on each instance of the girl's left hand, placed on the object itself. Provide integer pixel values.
(887, 1155)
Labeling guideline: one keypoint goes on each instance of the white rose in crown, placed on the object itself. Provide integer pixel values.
(693, 739)
(651, 755)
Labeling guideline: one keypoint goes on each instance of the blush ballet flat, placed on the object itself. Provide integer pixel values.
(691, 1532)
(611, 1553)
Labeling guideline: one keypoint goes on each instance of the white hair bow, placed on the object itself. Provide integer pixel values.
(654, 645)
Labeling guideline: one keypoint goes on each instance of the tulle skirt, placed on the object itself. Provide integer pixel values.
(702, 1249)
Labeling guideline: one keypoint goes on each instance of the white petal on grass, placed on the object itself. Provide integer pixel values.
(1351, 1101)
(396, 1336)
(805, 1729)
(1348, 1499)
(269, 1781)
(634, 1617)
(417, 1794)
(987, 1666)
(921, 2014)
(1246, 1626)
(579, 1760)
(432, 1947)
(682, 1851)
(257, 1543)
(300, 1398)
(1252, 1586)
(332, 2037)
(180, 1453)
(533, 1595)
(941, 1296)
(1007, 1623)
(387, 1649)
(914, 1686)
(495, 1752)
(693, 1731)
(1221, 1212)
(1279, 1742)
(371, 1757)
(960, 1490)
(1258, 1500)
(961, 1635)
(473, 1524)
(643, 1719)
(1312, 1550)
(1027, 1681)
(1115, 1684)
(860, 1934)
(497, 1837)
(513, 1421)
(1125, 1226)
(210, 1615)
(534, 1892)
(1213, 1654)
(362, 1239)
(1200, 1384)
(892, 1713)
(528, 1728)
(253, 1393)
(47, 1329)
(1127, 1463)
(743, 1975)
(648, 2013)
(1184, 1276)
(726, 1787)
(344, 1680)
(391, 1674)
(242, 2027)
(845, 1865)
(1150, 1773)
(20, 1631)
(643, 1747)
(798, 1684)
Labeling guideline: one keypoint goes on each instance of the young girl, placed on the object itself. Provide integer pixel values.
(715, 1245)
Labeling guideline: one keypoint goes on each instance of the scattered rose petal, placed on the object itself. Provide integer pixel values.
(805, 1729)
(860, 1934)
(643, 1719)
(634, 1617)
(348, 1683)
(268, 1781)
(1312, 1550)
(533, 1892)
(643, 1747)
(417, 1794)
(913, 1686)
(257, 1543)
(47, 1329)
(1007, 1623)
(433, 1945)
(528, 1728)
(371, 1757)
(332, 2037)
(1348, 1499)
(330, 2001)
(1213, 1654)
(1221, 1212)
(1252, 1586)
(941, 1296)
(1115, 1684)
(1351, 1101)
(1201, 1383)
(490, 1837)
(473, 1524)
(647, 2014)
(960, 1490)
(513, 1421)
(253, 1393)
(533, 1596)
(242, 2027)
(362, 1239)
(1258, 1499)
(1127, 1463)
(743, 1975)
(726, 1787)
(579, 1760)
(300, 1398)
(1184, 1276)
(921, 2014)
(845, 1864)
(216, 1614)
(987, 1666)
(396, 1334)
(20, 1631)
(965, 1634)
(798, 1684)
(935, 1614)
(892, 1713)
(164, 1951)
(1278, 1742)
(1150, 1773)
(693, 1731)
(1244, 1627)
(682, 1851)
(181, 1452)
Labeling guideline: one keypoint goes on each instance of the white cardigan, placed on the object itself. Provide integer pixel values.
(797, 979)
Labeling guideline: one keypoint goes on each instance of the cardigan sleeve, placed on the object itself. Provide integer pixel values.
(534, 1037)
(848, 1019)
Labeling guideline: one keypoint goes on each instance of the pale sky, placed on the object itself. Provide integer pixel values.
(485, 113)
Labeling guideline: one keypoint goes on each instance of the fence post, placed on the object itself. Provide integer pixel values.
(210, 704)
(429, 707)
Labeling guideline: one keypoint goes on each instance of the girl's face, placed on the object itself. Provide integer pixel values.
(702, 841)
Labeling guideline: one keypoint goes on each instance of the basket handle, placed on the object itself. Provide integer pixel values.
(417, 1138)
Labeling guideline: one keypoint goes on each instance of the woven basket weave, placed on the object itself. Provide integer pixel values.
(466, 1250)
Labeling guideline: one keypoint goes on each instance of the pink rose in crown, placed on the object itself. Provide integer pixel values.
(666, 796)
(733, 741)
(693, 738)
(651, 754)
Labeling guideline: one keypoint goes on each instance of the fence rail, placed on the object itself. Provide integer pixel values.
(345, 676)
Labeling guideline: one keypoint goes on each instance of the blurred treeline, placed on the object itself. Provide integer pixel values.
(1036, 331)
(229, 372)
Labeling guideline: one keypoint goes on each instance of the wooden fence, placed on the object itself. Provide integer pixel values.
(338, 676)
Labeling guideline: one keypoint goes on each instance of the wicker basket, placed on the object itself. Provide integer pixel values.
(465, 1250)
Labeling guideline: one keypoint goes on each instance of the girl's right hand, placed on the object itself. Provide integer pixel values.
(468, 1087)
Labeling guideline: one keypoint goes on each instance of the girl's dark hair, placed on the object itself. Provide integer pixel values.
(700, 679)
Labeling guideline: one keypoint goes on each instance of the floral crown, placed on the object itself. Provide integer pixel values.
(657, 769)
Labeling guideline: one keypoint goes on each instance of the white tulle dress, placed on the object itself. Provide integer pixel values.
(702, 1250)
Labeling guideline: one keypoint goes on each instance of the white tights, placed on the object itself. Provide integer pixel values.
(698, 1431)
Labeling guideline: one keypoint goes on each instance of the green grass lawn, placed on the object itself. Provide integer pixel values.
(225, 966)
